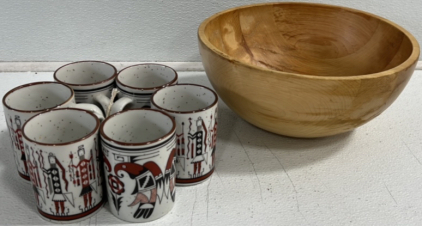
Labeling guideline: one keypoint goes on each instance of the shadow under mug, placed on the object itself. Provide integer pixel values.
(25, 101)
(63, 160)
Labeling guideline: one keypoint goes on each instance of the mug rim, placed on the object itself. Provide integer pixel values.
(94, 131)
(185, 112)
(88, 84)
(34, 84)
(110, 141)
(148, 88)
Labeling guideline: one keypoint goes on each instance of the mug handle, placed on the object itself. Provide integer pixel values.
(91, 108)
(117, 106)
(120, 104)
(103, 100)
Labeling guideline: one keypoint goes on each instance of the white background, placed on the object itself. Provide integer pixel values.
(137, 30)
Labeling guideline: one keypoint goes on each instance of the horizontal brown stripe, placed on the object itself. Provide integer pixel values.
(194, 180)
(71, 217)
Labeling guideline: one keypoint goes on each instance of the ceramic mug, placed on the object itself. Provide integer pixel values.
(92, 81)
(61, 147)
(137, 83)
(194, 108)
(138, 150)
(27, 100)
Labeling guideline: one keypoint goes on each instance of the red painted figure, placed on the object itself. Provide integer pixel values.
(170, 174)
(213, 137)
(34, 174)
(12, 136)
(84, 176)
(148, 179)
(19, 142)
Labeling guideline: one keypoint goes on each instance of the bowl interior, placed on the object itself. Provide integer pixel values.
(309, 39)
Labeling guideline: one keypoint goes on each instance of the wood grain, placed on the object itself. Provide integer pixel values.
(306, 70)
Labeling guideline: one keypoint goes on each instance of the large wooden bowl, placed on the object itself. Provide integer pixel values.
(306, 70)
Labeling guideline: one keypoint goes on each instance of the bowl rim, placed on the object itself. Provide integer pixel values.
(411, 60)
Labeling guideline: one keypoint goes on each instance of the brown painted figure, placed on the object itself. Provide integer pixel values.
(197, 146)
(180, 142)
(170, 174)
(34, 174)
(19, 142)
(57, 177)
(84, 175)
(148, 178)
(213, 137)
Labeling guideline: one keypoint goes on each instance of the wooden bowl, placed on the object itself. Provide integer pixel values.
(306, 70)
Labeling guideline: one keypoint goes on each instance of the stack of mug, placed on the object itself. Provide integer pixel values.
(159, 134)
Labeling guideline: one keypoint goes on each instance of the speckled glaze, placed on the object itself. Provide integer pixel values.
(139, 82)
(139, 147)
(92, 81)
(61, 147)
(194, 108)
(27, 100)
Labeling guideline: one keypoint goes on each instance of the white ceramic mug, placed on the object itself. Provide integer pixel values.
(63, 159)
(194, 108)
(137, 83)
(138, 150)
(92, 81)
(27, 100)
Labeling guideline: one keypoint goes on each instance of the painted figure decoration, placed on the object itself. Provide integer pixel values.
(84, 175)
(25, 101)
(195, 109)
(139, 147)
(196, 147)
(35, 174)
(61, 149)
(149, 186)
(55, 184)
(58, 185)
(15, 132)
